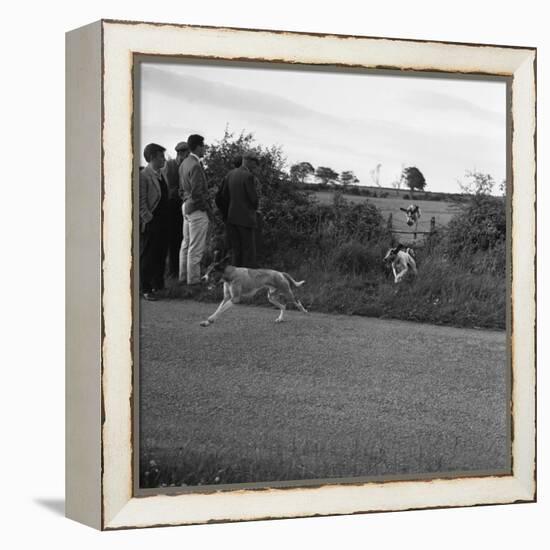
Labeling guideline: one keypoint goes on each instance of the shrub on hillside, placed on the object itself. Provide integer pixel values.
(479, 226)
(281, 202)
(292, 220)
(357, 258)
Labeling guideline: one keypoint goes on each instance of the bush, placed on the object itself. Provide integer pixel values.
(294, 226)
(357, 258)
(281, 202)
(480, 226)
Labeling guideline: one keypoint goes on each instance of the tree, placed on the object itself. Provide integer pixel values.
(479, 225)
(398, 181)
(375, 174)
(326, 174)
(299, 172)
(396, 184)
(413, 178)
(282, 204)
(347, 177)
(476, 183)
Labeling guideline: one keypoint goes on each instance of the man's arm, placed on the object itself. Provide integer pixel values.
(222, 198)
(199, 189)
(180, 179)
(144, 213)
(170, 173)
(250, 186)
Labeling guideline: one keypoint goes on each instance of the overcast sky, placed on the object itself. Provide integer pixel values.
(347, 121)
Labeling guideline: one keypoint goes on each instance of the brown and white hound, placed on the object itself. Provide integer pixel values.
(242, 282)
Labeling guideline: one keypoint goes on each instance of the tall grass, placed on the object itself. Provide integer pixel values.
(349, 277)
(352, 280)
(338, 249)
(304, 458)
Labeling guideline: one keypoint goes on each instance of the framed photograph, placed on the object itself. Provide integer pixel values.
(300, 274)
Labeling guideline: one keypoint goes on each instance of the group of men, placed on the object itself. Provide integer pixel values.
(175, 213)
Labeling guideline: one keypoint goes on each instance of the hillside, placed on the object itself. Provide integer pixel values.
(441, 210)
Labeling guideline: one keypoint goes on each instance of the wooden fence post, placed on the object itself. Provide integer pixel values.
(431, 233)
(390, 227)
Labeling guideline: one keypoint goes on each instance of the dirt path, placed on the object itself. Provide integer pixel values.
(317, 396)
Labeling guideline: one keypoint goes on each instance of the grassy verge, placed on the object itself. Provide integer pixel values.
(305, 459)
(443, 293)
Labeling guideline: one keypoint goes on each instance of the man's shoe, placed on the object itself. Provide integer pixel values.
(149, 296)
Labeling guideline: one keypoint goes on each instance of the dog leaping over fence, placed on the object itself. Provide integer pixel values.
(413, 214)
(241, 282)
(402, 259)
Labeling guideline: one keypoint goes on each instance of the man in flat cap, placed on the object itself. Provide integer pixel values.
(175, 217)
(196, 211)
(239, 190)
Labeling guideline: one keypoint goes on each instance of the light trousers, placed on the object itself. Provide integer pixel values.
(193, 246)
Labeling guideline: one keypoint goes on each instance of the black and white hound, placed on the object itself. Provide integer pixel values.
(413, 214)
(241, 282)
(402, 259)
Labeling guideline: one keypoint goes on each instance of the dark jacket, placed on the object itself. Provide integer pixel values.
(171, 175)
(239, 194)
(149, 195)
(194, 186)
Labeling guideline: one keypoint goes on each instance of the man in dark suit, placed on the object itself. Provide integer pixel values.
(239, 194)
(175, 216)
(153, 215)
(222, 202)
(196, 211)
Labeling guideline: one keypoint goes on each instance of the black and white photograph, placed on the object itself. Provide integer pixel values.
(288, 282)
(322, 270)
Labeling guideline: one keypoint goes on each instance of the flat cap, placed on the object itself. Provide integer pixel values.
(251, 155)
(181, 146)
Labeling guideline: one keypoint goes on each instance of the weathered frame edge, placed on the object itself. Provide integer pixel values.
(524, 490)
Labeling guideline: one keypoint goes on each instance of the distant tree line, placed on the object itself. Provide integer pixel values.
(410, 176)
(301, 171)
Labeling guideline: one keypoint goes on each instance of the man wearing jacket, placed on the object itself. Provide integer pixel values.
(153, 214)
(239, 188)
(196, 211)
(175, 217)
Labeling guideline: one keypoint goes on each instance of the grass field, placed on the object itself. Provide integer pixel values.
(319, 396)
(441, 210)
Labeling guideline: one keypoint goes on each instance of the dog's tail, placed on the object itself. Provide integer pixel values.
(292, 281)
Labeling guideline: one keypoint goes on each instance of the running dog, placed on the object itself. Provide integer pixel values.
(401, 259)
(241, 282)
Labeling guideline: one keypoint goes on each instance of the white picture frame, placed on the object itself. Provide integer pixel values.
(100, 387)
